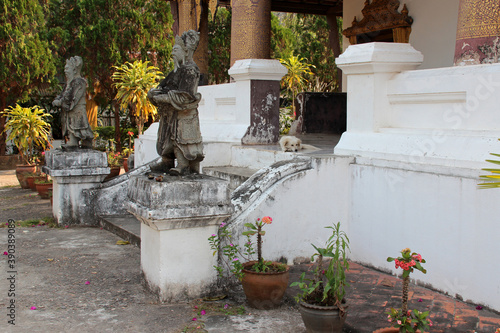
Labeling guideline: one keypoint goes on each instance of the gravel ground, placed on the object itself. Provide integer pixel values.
(81, 280)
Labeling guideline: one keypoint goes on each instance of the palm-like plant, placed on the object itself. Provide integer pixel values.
(295, 78)
(27, 128)
(133, 81)
(492, 180)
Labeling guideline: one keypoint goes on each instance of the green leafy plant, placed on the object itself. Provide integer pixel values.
(492, 181)
(404, 319)
(133, 81)
(286, 120)
(295, 79)
(43, 181)
(130, 149)
(28, 128)
(327, 287)
(231, 253)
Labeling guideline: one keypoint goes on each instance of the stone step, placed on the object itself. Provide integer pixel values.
(235, 175)
(124, 226)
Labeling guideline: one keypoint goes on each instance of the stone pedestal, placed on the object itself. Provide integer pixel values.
(178, 215)
(258, 95)
(74, 172)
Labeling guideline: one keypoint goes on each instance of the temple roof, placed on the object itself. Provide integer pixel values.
(317, 7)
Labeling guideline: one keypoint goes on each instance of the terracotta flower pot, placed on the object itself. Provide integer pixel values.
(33, 179)
(387, 330)
(264, 290)
(125, 164)
(321, 319)
(21, 170)
(114, 171)
(390, 330)
(43, 190)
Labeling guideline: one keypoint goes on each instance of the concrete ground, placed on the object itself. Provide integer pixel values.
(81, 280)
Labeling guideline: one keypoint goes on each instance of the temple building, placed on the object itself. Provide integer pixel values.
(422, 80)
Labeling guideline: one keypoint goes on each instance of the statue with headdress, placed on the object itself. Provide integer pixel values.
(177, 98)
(74, 121)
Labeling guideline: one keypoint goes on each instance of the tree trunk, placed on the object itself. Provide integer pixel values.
(117, 127)
(174, 9)
(334, 41)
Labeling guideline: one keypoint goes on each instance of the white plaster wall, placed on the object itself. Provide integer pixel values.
(301, 206)
(414, 180)
(178, 262)
(433, 30)
(145, 146)
(222, 119)
(447, 219)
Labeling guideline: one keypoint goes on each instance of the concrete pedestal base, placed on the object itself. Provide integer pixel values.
(178, 215)
(74, 172)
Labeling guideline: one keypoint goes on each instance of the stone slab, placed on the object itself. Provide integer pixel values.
(58, 159)
(195, 197)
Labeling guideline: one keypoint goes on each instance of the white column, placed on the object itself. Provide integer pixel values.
(368, 68)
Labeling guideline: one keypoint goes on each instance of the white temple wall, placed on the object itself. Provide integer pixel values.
(433, 31)
(418, 150)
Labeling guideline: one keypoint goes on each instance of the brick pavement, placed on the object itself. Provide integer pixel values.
(373, 293)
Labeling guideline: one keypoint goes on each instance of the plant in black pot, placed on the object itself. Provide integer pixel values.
(321, 302)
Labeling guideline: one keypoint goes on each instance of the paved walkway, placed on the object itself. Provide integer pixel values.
(371, 294)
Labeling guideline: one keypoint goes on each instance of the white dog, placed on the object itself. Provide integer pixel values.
(290, 143)
(294, 144)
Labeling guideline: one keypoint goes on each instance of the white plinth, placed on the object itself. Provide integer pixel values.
(178, 216)
(74, 172)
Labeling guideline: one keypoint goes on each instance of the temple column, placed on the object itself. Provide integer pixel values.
(478, 32)
(250, 30)
(194, 16)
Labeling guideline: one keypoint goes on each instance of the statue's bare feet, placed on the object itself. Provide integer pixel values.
(179, 171)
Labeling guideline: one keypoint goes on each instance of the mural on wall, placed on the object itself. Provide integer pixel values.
(478, 32)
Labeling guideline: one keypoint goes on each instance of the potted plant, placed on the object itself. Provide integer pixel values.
(126, 152)
(321, 302)
(114, 163)
(31, 178)
(43, 186)
(27, 128)
(405, 320)
(264, 282)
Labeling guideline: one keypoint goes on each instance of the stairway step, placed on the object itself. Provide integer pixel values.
(125, 226)
(235, 175)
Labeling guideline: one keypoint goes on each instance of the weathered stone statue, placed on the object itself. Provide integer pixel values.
(179, 136)
(75, 124)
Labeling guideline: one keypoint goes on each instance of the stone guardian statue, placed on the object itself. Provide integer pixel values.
(75, 124)
(177, 98)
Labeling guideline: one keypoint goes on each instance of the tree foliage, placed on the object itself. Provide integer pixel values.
(219, 46)
(133, 81)
(307, 36)
(25, 58)
(107, 33)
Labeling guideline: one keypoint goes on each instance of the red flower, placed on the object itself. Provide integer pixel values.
(130, 133)
(267, 220)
